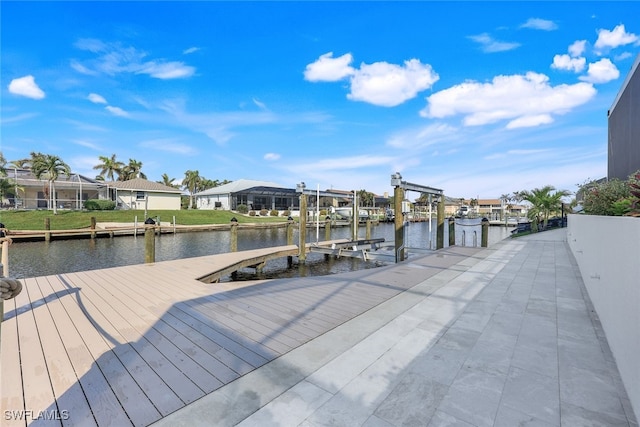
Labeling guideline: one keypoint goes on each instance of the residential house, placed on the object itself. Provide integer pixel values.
(140, 193)
(256, 195)
(30, 192)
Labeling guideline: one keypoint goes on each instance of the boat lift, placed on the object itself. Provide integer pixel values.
(400, 187)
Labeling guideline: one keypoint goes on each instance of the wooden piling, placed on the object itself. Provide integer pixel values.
(327, 229)
(47, 228)
(302, 241)
(93, 227)
(452, 231)
(398, 197)
(234, 237)
(368, 230)
(440, 221)
(149, 244)
(485, 233)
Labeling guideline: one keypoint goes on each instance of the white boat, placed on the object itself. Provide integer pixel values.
(347, 212)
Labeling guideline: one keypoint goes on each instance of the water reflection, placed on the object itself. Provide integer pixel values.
(63, 256)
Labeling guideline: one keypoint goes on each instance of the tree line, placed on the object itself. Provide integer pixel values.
(50, 167)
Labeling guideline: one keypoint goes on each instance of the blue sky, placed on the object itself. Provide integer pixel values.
(476, 98)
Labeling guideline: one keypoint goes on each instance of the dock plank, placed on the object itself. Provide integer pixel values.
(38, 393)
(100, 394)
(137, 343)
(10, 377)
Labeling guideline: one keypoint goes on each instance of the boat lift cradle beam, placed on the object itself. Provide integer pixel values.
(398, 195)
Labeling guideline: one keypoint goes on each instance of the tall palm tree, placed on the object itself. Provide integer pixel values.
(366, 198)
(191, 182)
(20, 163)
(109, 167)
(132, 171)
(167, 181)
(50, 166)
(505, 199)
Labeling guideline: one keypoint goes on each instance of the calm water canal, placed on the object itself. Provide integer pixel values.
(34, 259)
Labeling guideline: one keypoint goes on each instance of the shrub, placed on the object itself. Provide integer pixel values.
(99, 205)
(286, 213)
(263, 212)
(243, 209)
(274, 212)
(252, 213)
(599, 197)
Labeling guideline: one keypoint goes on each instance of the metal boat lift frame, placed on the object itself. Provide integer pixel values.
(400, 187)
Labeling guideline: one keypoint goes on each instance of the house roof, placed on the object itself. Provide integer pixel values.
(238, 186)
(140, 184)
(25, 178)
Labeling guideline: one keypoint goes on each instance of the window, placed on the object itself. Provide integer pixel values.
(140, 195)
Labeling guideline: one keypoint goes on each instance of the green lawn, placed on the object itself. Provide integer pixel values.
(68, 220)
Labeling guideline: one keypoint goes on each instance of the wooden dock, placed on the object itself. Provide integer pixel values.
(129, 345)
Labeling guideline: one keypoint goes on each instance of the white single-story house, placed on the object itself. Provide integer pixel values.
(29, 192)
(140, 193)
(256, 195)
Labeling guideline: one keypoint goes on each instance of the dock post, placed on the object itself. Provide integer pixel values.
(289, 239)
(452, 231)
(440, 220)
(398, 197)
(302, 242)
(93, 227)
(485, 233)
(368, 232)
(234, 234)
(149, 244)
(327, 229)
(47, 228)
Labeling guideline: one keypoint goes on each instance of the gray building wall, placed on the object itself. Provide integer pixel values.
(624, 128)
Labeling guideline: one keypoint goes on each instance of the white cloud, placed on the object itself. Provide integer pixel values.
(389, 85)
(614, 38)
(165, 70)
(602, 71)
(168, 145)
(116, 111)
(329, 69)
(577, 48)
(540, 24)
(190, 50)
(113, 59)
(380, 83)
(86, 144)
(490, 45)
(26, 86)
(433, 134)
(272, 156)
(96, 99)
(522, 100)
(341, 163)
(565, 62)
(261, 105)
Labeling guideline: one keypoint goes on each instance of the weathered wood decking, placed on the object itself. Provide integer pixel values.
(129, 345)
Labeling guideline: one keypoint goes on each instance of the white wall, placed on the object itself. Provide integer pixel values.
(607, 250)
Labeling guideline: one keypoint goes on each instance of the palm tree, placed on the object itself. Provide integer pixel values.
(50, 166)
(544, 201)
(505, 199)
(109, 167)
(168, 181)
(132, 171)
(366, 198)
(191, 182)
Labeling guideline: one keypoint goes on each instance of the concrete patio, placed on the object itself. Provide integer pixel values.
(506, 337)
